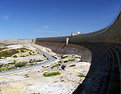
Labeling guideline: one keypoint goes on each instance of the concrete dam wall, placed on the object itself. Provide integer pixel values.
(103, 49)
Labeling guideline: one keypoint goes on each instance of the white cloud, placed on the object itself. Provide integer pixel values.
(5, 17)
(45, 26)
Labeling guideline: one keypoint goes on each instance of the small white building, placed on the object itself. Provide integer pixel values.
(73, 34)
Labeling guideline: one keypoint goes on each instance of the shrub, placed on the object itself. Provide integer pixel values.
(15, 56)
(22, 49)
(62, 81)
(10, 68)
(80, 60)
(56, 65)
(2, 49)
(20, 64)
(63, 67)
(12, 63)
(1, 65)
(71, 60)
(32, 64)
(81, 75)
(62, 57)
(8, 53)
(26, 75)
(23, 56)
(60, 61)
(72, 65)
(51, 74)
(30, 53)
(38, 60)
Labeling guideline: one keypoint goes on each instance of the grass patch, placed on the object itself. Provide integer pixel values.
(20, 64)
(51, 74)
(38, 60)
(81, 75)
(2, 49)
(62, 81)
(8, 53)
(23, 56)
(72, 65)
(71, 60)
(11, 68)
(12, 63)
(32, 64)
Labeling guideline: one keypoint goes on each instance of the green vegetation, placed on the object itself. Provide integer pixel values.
(80, 60)
(11, 68)
(38, 60)
(72, 65)
(71, 60)
(60, 61)
(81, 75)
(30, 53)
(6, 67)
(22, 49)
(56, 65)
(8, 53)
(23, 56)
(20, 64)
(2, 49)
(62, 81)
(51, 74)
(32, 64)
(15, 56)
(62, 57)
(26, 75)
(12, 63)
(1, 65)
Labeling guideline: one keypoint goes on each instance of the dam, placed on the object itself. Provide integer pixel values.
(102, 48)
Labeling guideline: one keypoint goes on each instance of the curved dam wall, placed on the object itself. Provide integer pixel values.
(104, 76)
(61, 48)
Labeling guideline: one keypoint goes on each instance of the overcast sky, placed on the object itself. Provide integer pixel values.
(21, 19)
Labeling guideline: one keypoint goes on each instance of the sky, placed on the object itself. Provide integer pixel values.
(25, 19)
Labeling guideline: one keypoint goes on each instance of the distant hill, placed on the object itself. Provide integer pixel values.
(14, 41)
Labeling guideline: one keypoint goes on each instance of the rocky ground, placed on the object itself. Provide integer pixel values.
(60, 77)
(23, 53)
